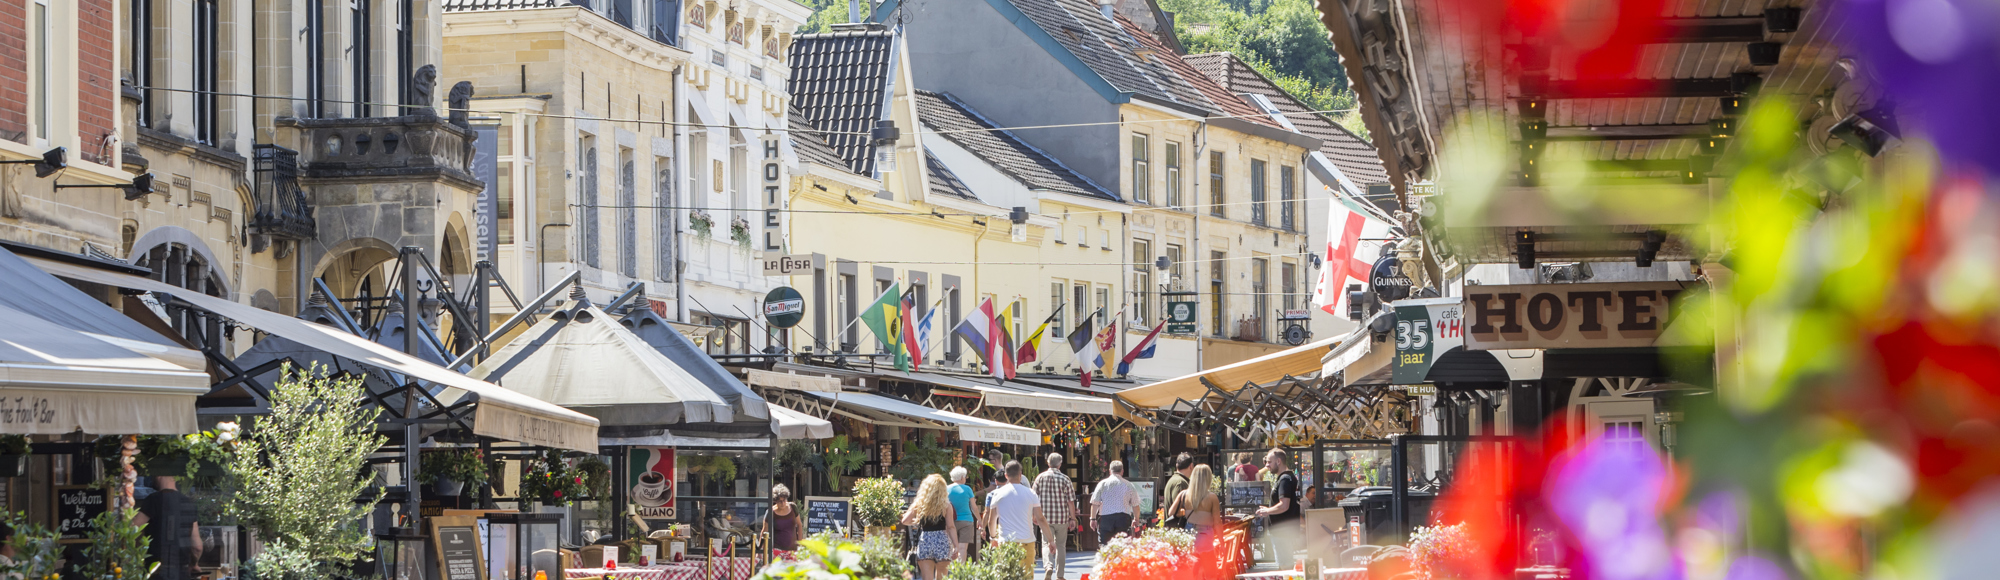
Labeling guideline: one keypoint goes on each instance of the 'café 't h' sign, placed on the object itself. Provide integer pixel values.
(1616, 315)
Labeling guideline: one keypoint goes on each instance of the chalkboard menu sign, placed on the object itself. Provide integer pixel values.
(456, 539)
(76, 506)
(828, 513)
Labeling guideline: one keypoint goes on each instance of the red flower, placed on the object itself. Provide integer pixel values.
(579, 480)
(558, 493)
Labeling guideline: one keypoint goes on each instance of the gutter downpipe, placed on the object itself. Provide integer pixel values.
(1195, 247)
(680, 162)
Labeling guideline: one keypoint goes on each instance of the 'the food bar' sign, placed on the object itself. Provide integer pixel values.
(1616, 315)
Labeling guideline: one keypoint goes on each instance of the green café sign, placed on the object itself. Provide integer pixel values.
(1180, 314)
(1425, 328)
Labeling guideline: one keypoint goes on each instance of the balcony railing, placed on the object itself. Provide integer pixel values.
(282, 208)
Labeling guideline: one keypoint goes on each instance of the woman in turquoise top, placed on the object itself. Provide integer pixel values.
(963, 529)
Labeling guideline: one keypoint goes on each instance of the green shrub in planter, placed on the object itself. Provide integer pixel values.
(450, 471)
(13, 455)
(878, 501)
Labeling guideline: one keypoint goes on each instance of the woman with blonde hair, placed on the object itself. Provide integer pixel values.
(1201, 506)
(932, 513)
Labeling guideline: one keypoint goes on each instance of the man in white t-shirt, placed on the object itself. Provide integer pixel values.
(1017, 511)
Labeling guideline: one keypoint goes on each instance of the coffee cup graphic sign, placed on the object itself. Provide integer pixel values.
(650, 484)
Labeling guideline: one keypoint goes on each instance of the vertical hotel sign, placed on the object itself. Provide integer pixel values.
(773, 174)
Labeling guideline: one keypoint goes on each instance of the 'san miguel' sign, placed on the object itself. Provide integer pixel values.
(1615, 315)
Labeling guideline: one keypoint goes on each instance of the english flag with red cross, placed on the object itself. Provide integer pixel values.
(1354, 241)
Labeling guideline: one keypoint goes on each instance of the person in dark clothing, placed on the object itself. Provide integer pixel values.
(171, 524)
(1176, 483)
(1286, 530)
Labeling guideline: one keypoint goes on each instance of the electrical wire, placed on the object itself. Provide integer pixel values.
(663, 122)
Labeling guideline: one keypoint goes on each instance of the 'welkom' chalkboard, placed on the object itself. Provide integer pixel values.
(828, 513)
(76, 506)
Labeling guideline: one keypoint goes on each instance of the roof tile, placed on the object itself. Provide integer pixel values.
(839, 84)
(1355, 157)
(958, 123)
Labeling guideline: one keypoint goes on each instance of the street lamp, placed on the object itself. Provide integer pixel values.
(1019, 230)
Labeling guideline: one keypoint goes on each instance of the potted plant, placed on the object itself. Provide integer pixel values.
(549, 480)
(117, 547)
(596, 476)
(13, 455)
(878, 503)
(841, 459)
(701, 224)
(163, 455)
(739, 231)
(448, 472)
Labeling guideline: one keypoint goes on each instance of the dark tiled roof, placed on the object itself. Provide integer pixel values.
(962, 126)
(1353, 155)
(1227, 103)
(807, 142)
(1104, 46)
(943, 181)
(840, 85)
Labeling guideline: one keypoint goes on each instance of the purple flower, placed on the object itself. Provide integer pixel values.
(1755, 568)
(1609, 496)
(1939, 64)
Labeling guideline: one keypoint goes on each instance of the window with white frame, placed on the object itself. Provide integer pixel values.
(1173, 161)
(586, 199)
(41, 88)
(1142, 174)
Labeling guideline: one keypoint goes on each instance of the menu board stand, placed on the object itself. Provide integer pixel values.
(455, 545)
(823, 513)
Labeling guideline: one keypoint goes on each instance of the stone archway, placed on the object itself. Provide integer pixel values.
(358, 272)
(179, 258)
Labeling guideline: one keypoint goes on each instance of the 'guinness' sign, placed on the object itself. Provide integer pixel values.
(1388, 280)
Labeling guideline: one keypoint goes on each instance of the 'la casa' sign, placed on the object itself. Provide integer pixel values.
(1617, 315)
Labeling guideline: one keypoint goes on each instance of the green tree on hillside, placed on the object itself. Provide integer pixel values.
(1282, 39)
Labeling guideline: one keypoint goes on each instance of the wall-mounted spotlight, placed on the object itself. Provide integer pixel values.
(1018, 217)
(52, 161)
(1713, 145)
(1781, 19)
(1722, 127)
(1744, 83)
(1764, 53)
(1535, 108)
(1732, 105)
(138, 188)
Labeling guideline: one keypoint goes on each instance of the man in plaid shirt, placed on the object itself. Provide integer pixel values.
(1059, 508)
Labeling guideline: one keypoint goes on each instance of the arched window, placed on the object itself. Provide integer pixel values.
(180, 266)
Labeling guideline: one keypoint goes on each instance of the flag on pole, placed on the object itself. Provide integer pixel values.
(1083, 343)
(913, 346)
(1142, 350)
(973, 330)
(1029, 347)
(1107, 343)
(1003, 343)
(924, 329)
(1347, 256)
(884, 318)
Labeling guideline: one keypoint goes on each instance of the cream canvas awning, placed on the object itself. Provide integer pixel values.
(69, 363)
(791, 424)
(1298, 362)
(1014, 394)
(499, 413)
(915, 415)
(1359, 361)
(55, 380)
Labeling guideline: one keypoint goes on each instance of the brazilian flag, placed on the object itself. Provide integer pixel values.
(885, 319)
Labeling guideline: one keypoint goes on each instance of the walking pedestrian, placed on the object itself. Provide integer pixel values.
(932, 513)
(1113, 503)
(1176, 483)
(787, 524)
(1058, 496)
(169, 518)
(1199, 506)
(1015, 511)
(1285, 529)
(963, 530)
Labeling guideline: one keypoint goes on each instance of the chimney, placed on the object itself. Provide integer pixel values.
(1105, 6)
(853, 11)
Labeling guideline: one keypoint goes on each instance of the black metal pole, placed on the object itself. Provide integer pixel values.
(619, 472)
(1399, 495)
(412, 431)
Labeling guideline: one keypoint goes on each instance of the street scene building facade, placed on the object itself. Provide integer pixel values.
(659, 289)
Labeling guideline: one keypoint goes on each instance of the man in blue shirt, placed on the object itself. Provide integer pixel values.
(963, 531)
